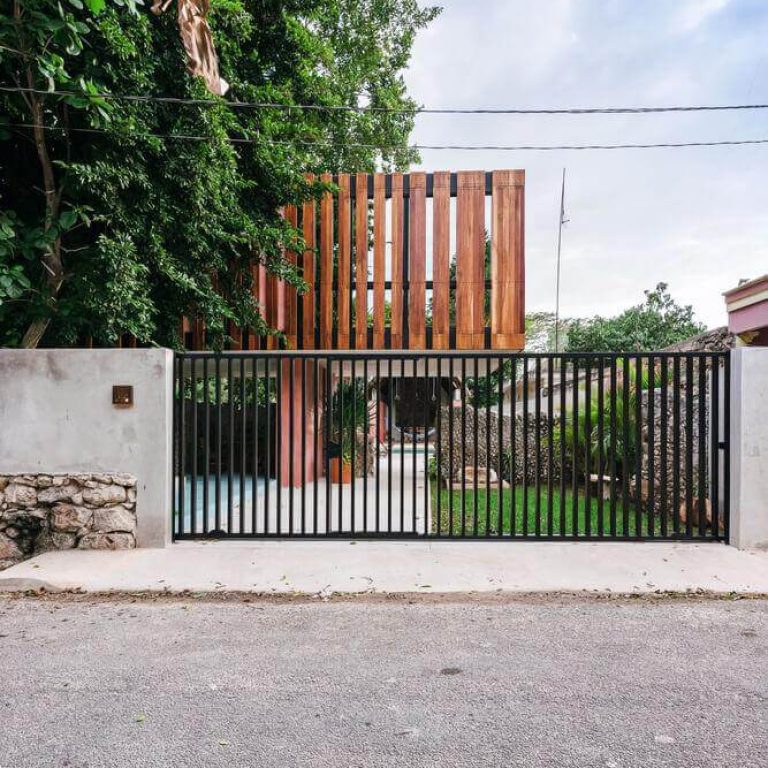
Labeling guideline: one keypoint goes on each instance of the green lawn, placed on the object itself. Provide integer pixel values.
(483, 507)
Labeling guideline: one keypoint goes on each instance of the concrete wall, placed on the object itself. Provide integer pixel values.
(749, 448)
(56, 415)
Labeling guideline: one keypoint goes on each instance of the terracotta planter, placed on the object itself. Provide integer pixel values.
(341, 472)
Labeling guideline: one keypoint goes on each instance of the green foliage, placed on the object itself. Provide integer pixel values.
(350, 415)
(125, 230)
(585, 450)
(655, 324)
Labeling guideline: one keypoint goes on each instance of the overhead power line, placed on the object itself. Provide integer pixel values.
(397, 111)
(457, 147)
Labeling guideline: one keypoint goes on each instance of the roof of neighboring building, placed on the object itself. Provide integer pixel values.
(747, 288)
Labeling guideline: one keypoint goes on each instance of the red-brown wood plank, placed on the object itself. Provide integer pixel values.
(441, 245)
(326, 267)
(308, 298)
(361, 262)
(291, 303)
(417, 262)
(396, 237)
(379, 259)
(344, 262)
(470, 259)
(507, 260)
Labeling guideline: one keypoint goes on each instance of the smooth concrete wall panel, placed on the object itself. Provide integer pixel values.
(56, 415)
(749, 448)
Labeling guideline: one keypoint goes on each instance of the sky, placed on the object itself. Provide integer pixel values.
(695, 218)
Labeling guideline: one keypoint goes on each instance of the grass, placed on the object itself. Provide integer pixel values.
(521, 513)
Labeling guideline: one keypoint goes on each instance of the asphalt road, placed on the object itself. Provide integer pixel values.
(521, 683)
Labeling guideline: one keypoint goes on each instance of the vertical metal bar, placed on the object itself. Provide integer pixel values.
(439, 449)
(500, 463)
(303, 452)
(537, 524)
(702, 489)
(475, 447)
(451, 441)
(613, 440)
(353, 427)
(268, 446)
(377, 428)
(182, 446)
(714, 445)
(600, 443)
(488, 489)
(563, 429)
(402, 436)
(526, 422)
(279, 441)
(207, 449)
(676, 444)
(728, 447)
(316, 440)
(231, 452)
(626, 468)
(243, 444)
(340, 515)
(513, 449)
(195, 444)
(390, 426)
(575, 453)
(218, 443)
(689, 446)
(663, 448)
(463, 444)
(291, 439)
(550, 446)
(415, 384)
(366, 433)
(255, 446)
(587, 447)
(638, 444)
(651, 449)
(329, 416)
(427, 401)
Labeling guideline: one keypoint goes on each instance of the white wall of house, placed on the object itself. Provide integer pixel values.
(57, 415)
(749, 448)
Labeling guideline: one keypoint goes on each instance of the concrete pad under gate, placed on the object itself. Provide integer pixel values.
(324, 567)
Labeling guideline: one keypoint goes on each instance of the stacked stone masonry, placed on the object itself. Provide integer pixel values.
(40, 512)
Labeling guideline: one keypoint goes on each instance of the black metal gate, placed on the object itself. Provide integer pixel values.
(451, 445)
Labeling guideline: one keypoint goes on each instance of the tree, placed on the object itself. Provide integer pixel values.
(109, 225)
(653, 325)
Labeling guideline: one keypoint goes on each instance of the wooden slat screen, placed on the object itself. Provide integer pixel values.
(429, 282)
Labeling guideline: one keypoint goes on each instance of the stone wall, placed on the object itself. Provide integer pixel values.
(41, 512)
(490, 421)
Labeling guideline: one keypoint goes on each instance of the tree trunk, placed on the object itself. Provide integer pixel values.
(51, 260)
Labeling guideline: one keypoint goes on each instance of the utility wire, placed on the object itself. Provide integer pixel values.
(389, 110)
(458, 147)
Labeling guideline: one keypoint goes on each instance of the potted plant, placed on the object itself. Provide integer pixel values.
(349, 419)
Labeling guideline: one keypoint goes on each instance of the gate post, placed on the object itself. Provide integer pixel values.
(749, 448)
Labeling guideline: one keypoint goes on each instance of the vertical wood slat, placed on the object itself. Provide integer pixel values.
(326, 267)
(470, 260)
(396, 323)
(291, 295)
(441, 274)
(275, 307)
(259, 275)
(361, 262)
(308, 226)
(344, 260)
(417, 263)
(507, 260)
(379, 259)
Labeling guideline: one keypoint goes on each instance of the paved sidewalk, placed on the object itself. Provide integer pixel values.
(351, 567)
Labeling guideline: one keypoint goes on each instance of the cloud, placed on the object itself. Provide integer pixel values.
(694, 218)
